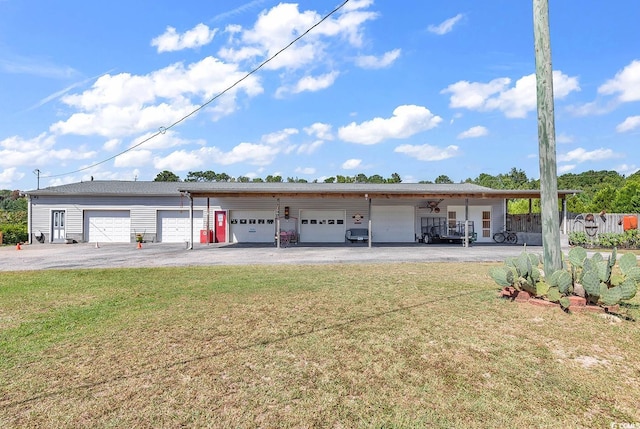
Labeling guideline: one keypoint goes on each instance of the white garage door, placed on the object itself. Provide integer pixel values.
(174, 226)
(393, 224)
(252, 226)
(108, 226)
(322, 226)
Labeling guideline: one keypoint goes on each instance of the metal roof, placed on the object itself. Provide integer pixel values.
(283, 189)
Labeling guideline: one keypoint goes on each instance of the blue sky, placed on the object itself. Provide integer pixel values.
(418, 88)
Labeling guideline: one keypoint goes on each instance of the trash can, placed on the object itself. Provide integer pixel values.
(0, 238)
(206, 238)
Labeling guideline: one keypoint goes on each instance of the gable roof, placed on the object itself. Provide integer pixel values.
(282, 189)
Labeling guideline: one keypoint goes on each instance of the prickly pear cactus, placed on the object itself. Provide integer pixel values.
(577, 255)
(591, 283)
(564, 282)
(604, 270)
(627, 262)
(502, 275)
(611, 296)
(628, 289)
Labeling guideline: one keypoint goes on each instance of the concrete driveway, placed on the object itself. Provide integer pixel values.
(83, 255)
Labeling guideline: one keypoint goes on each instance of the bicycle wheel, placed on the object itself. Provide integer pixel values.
(512, 238)
(498, 237)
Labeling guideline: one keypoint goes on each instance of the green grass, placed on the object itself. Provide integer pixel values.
(369, 345)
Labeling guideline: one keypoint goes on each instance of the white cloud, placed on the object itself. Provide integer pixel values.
(170, 40)
(580, 155)
(308, 83)
(474, 95)
(306, 170)
(627, 169)
(279, 136)
(277, 27)
(10, 175)
(309, 148)
(134, 158)
(474, 132)
(626, 83)
(514, 102)
(406, 121)
(351, 164)
(111, 145)
(631, 123)
(564, 138)
(446, 26)
(373, 62)
(38, 151)
(590, 109)
(566, 168)
(180, 160)
(250, 153)
(427, 152)
(320, 130)
(125, 104)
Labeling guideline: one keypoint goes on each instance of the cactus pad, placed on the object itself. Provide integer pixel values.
(627, 261)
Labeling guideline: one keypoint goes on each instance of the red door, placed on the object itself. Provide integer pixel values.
(220, 226)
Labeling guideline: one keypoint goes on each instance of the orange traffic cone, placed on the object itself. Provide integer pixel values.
(139, 245)
(18, 247)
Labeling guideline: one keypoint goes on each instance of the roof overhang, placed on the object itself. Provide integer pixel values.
(375, 194)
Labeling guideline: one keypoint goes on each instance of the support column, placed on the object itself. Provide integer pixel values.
(369, 229)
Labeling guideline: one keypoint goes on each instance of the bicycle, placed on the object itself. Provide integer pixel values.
(505, 236)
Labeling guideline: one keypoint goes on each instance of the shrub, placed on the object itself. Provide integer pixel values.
(13, 233)
(579, 238)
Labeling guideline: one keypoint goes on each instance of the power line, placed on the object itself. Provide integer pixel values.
(163, 130)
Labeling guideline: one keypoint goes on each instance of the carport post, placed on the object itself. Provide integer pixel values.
(369, 238)
(466, 222)
(278, 223)
(191, 220)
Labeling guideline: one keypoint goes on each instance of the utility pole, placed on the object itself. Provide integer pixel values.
(552, 253)
(37, 173)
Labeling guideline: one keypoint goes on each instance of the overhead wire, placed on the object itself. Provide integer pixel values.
(163, 130)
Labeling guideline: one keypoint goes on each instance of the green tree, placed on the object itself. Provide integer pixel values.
(443, 179)
(602, 200)
(395, 178)
(273, 179)
(166, 176)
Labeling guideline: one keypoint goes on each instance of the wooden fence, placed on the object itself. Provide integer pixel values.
(590, 223)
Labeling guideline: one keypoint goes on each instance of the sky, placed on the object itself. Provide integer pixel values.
(123, 90)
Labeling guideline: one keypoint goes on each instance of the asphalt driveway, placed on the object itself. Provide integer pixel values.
(83, 255)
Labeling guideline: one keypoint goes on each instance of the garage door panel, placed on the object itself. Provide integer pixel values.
(322, 226)
(173, 226)
(109, 226)
(393, 224)
(252, 226)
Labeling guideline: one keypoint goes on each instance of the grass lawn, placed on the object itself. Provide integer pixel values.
(382, 345)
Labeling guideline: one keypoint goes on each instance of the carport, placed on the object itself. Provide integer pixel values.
(373, 194)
